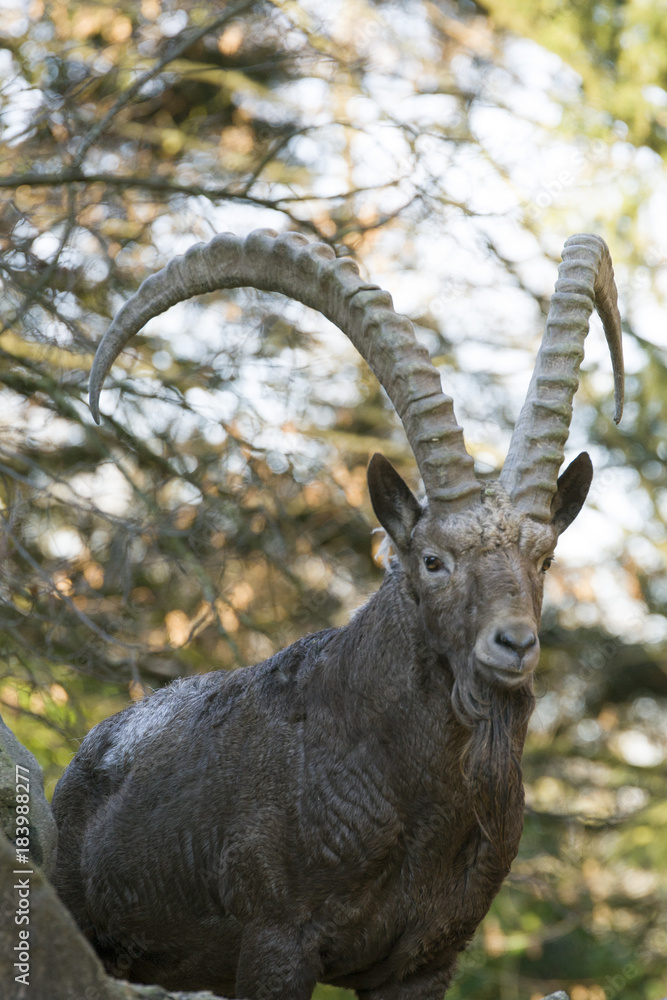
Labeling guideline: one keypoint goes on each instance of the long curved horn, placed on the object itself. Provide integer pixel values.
(311, 273)
(585, 280)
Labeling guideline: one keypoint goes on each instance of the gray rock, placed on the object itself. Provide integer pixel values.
(560, 995)
(42, 824)
(61, 965)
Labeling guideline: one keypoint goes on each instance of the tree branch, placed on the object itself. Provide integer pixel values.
(181, 45)
(77, 176)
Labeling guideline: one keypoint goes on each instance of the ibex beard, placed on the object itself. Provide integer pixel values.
(346, 810)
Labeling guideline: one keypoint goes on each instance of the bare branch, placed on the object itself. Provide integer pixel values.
(69, 176)
(181, 44)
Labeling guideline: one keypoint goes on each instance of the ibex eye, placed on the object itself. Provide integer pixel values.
(433, 564)
(546, 564)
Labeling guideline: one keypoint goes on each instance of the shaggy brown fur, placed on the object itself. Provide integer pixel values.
(346, 810)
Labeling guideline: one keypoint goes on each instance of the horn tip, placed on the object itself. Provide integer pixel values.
(93, 404)
(618, 402)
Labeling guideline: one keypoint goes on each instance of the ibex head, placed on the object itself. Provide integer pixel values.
(477, 574)
(474, 555)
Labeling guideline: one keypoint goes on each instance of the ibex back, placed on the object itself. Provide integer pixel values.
(346, 810)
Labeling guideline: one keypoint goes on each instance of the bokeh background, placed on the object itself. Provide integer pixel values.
(220, 511)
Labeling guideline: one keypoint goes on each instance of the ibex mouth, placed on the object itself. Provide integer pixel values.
(510, 679)
(508, 654)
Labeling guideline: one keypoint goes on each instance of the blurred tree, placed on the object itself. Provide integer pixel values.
(618, 49)
(220, 511)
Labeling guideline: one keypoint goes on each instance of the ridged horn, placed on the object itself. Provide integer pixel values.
(311, 273)
(585, 280)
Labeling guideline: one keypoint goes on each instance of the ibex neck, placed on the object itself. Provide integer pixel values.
(385, 655)
(402, 689)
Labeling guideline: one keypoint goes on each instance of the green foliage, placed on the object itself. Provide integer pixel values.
(618, 48)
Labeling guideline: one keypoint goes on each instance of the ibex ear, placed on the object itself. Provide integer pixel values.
(396, 507)
(571, 491)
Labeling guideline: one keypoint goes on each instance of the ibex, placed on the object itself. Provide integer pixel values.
(345, 811)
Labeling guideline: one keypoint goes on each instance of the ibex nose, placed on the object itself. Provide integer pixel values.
(518, 638)
(508, 653)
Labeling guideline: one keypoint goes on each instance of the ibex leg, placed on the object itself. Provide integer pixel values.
(428, 983)
(273, 966)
